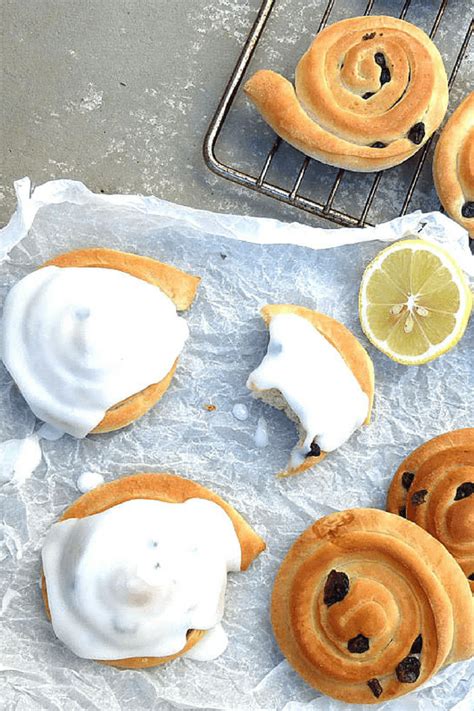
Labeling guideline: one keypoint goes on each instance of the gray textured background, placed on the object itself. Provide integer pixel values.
(67, 113)
(119, 93)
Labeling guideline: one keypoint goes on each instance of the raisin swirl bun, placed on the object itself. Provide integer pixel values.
(367, 606)
(453, 165)
(434, 487)
(368, 93)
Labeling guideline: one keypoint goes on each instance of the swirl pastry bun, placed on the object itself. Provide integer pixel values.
(309, 372)
(434, 488)
(453, 165)
(368, 606)
(368, 94)
(160, 487)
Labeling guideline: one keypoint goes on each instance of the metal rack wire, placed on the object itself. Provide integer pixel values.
(291, 195)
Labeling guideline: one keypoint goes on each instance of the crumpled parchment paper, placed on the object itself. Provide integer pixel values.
(182, 435)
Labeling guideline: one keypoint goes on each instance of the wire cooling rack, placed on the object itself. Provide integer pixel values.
(293, 192)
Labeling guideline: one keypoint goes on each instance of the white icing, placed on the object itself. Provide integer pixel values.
(261, 433)
(212, 645)
(19, 458)
(88, 481)
(131, 581)
(240, 411)
(49, 432)
(314, 380)
(79, 340)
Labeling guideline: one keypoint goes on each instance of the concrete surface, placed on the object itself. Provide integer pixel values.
(118, 94)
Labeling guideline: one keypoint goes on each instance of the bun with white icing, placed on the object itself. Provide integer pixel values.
(92, 338)
(139, 566)
(315, 370)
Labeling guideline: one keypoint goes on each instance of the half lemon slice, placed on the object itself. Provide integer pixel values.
(414, 302)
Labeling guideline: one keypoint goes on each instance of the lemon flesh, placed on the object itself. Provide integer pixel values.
(414, 302)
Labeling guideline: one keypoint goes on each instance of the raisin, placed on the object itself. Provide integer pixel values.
(367, 95)
(358, 645)
(408, 670)
(385, 76)
(465, 490)
(336, 587)
(417, 645)
(314, 450)
(380, 59)
(471, 576)
(402, 511)
(419, 497)
(378, 144)
(467, 209)
(417, 133)
(407, 479)
(375, 687)
(369, 35)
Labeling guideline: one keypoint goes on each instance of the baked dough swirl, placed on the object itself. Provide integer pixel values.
(434, 487)
(367, 606)
(453, 165)
(368, 94)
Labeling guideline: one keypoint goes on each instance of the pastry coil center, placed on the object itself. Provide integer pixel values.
(377, 87)
(385, 611)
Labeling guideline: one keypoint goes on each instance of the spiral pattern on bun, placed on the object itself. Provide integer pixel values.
(434, 487)
(368, 94)
(453, 165)
(367, 606)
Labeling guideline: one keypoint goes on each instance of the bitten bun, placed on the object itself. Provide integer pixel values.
(347, 345)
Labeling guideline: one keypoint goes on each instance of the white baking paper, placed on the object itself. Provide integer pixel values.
(245, 262)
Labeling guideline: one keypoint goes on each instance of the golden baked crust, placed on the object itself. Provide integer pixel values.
(390, 62)
(453, 164)
(179, 286)
(354, 354)
(434, 487)
(172, 489)
(400, 583)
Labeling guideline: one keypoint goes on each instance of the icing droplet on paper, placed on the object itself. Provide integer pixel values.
(88, 481)
(240, 411)
(19, 458)
(261, 433)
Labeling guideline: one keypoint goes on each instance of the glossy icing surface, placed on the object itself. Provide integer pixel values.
(133, 580)
(77, 341)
